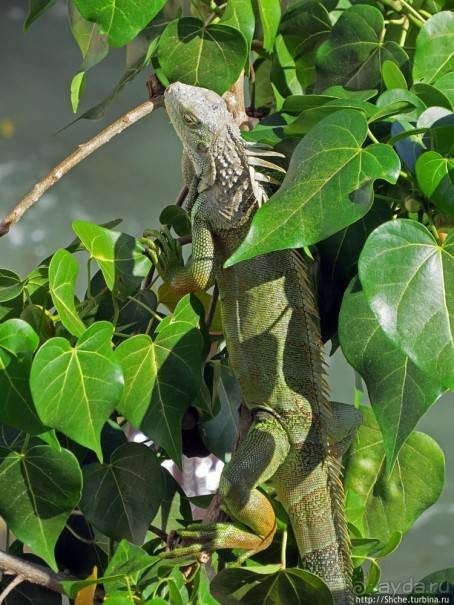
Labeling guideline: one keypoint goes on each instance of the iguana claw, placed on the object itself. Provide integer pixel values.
(165, 252)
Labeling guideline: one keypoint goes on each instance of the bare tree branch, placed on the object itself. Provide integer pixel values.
(32, 572)
(83, 151)
(11, 586)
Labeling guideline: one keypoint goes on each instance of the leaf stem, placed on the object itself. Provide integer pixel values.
(412, 11)
(78, 536)
(372, 137)
(146, 307)
(284, 549)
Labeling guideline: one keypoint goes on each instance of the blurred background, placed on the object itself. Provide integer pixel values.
(133, 178)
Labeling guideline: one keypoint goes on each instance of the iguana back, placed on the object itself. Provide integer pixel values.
(272, 333)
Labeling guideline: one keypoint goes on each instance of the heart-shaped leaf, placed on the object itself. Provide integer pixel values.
(408, 280)
(254, 585)
(328, 185)
(435, 176)
(92, 44)
(209, 56)
(63, 272)
(120, 257)
(18, 342)
(393, 503)
(154, 400)
(132, 488)
(434, 56)
(76, 388)
(121, 20)
(399, 392)
(354, 53)
(40, 488)
(11, 285)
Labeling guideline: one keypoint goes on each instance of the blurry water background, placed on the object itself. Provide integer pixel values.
(134, 177)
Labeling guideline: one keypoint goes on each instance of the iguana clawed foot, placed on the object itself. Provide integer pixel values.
(216, 536)
(165, 252)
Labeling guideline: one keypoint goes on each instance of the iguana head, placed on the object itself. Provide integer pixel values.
(197, 114)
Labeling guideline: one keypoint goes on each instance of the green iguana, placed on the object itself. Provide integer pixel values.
(272, 334)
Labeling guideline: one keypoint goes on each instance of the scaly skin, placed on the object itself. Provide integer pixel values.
(272, 334)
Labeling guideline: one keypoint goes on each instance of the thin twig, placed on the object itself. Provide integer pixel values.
(182, 196)
(83, 151)
(11, 586)
(33, 573)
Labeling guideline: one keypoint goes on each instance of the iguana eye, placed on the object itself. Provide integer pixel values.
(190, 120)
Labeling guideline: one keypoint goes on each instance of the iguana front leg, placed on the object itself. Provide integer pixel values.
(258, 457)
(166, 254)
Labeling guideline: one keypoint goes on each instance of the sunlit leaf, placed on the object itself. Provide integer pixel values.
(434, 55)
(63, 272)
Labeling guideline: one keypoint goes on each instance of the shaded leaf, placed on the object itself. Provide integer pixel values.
(408, 281)
(37, 8)
(132, 488)
(354, 53)
(220, 432)
(430, 95)
(122, 20)
(18, 342)
(434, 56)
(93, 45)
(40, 488)
(283, 70)
(255, 586)
(304, 25)
(437, 582)
(399, 392)
(76, 388)
(63, 272)
(211, 56)
(393, 503)
(435, 176)
(174, 505)
(10, 285)
(153, 400)
(328, 185)
(120, 257)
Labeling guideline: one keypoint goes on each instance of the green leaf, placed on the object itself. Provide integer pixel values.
(153, 400)
(78, 84)
(434, 56)
(310, 117)
(435, 582)
(270, 14)
(399, 392)
(354, 53)
(129, 559)
(392, 76)
(408, 280)
(76, 388)
(304, 25)
(435, 176)
(393, 503)
(11, 285)
(211, 56)
(239, 14)
(37, 286)
(132, 488)
(120, 20)
(398, 94)
(219, 433)
(92, 44)
(430, 95)
(283, 70)
(254, 586)
(63, 272)
(40, 320)
(446, 85)
(328, 185)
(174, 505)
(18, 342)
(37, 8)
(40, 488)
(120, 257)
(170, 299)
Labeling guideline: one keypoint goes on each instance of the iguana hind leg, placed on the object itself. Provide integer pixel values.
(260, 454)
